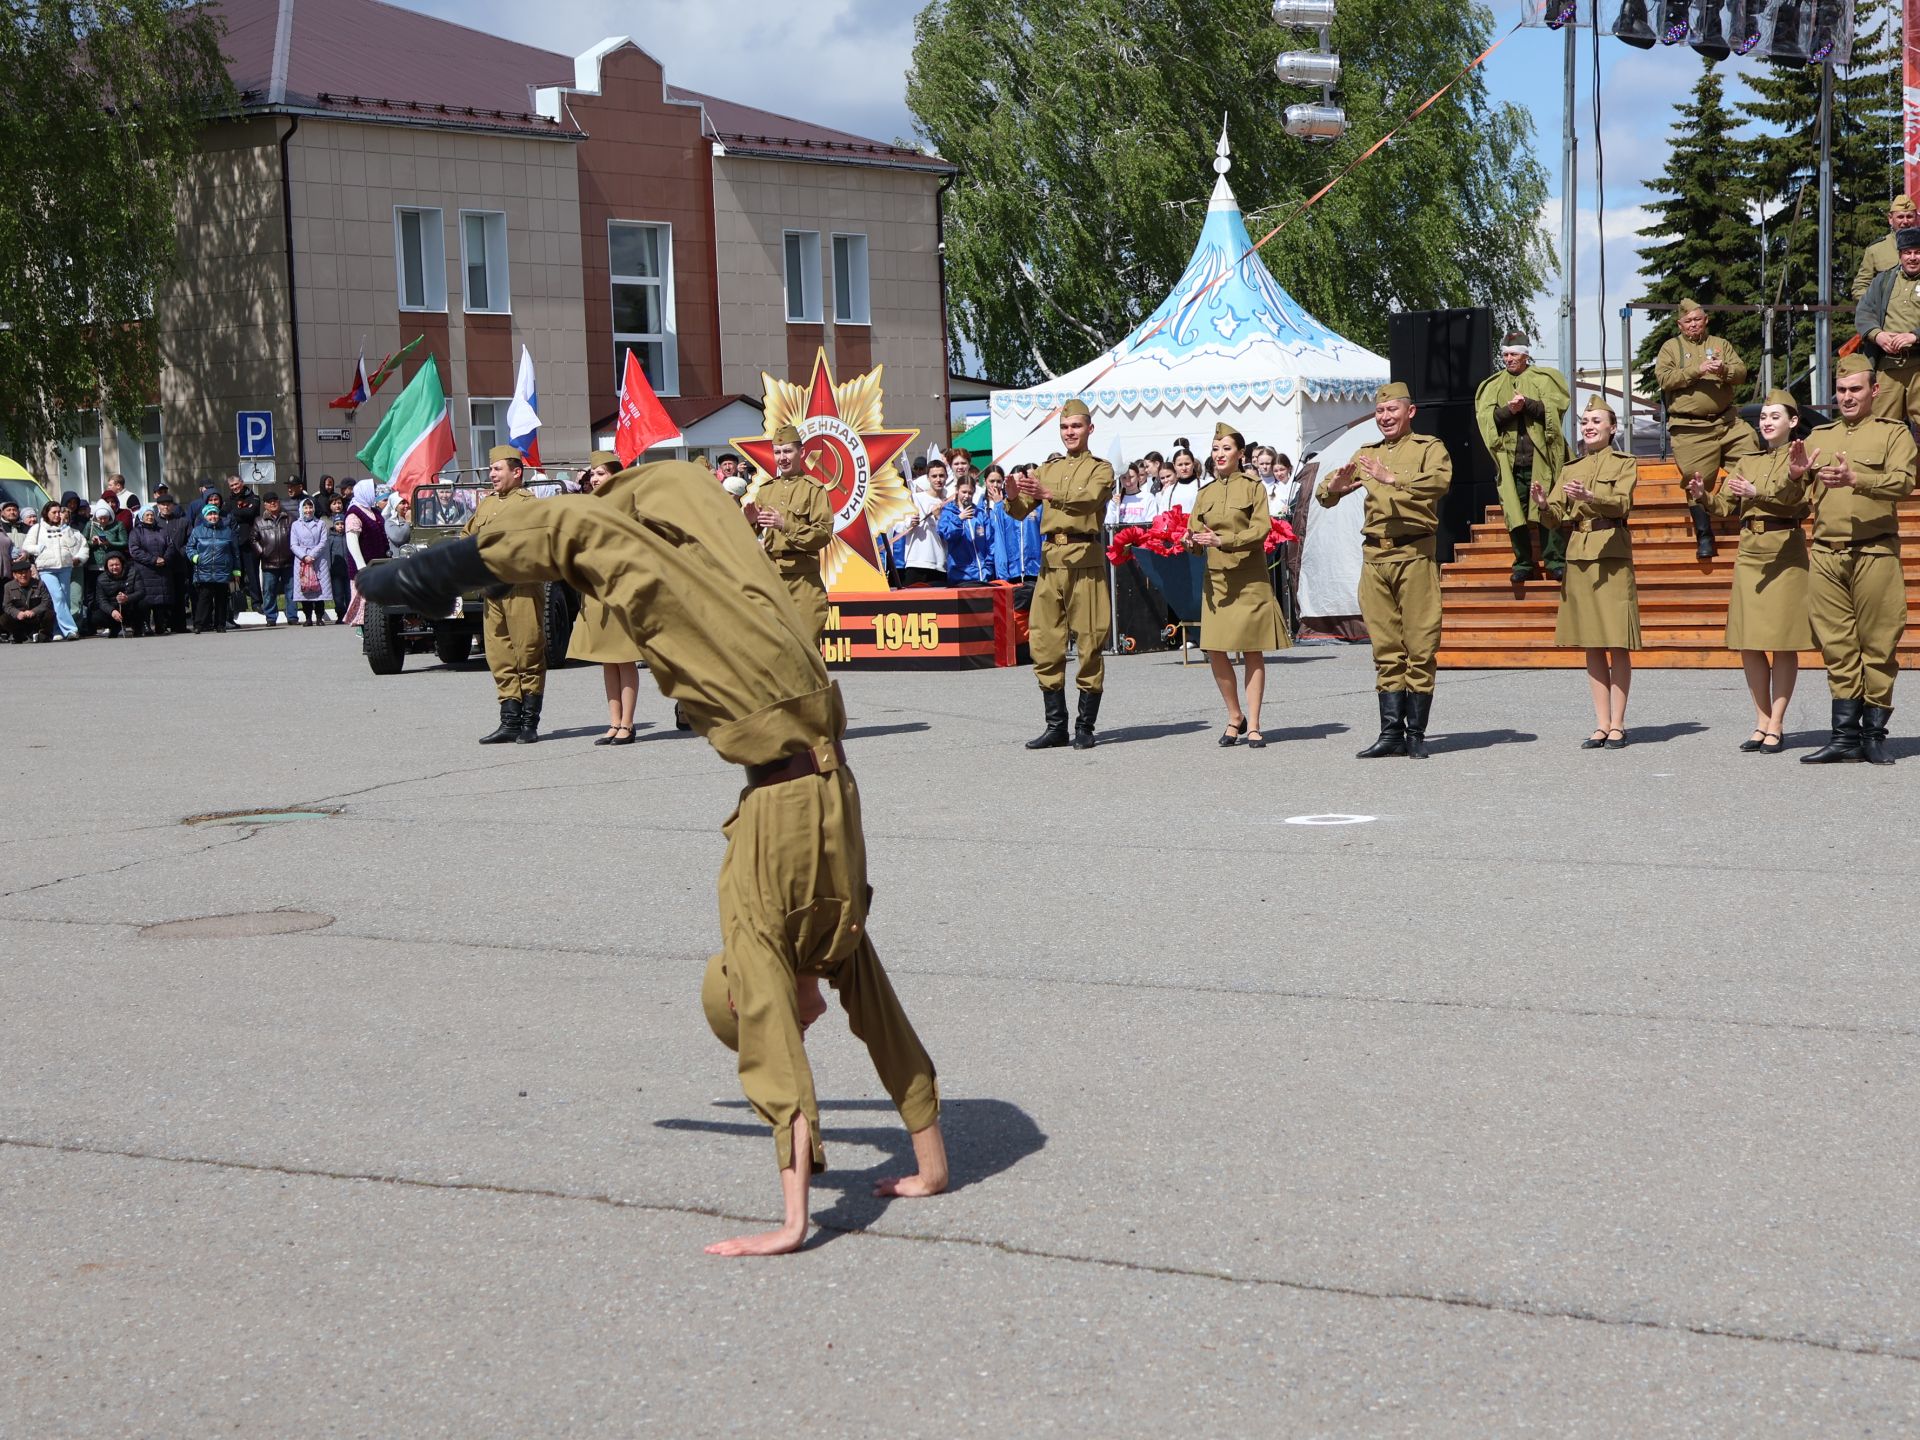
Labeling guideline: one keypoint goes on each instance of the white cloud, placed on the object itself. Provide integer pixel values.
(1595, 324)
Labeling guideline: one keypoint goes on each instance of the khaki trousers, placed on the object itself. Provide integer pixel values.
(1897, 396)
(1400, 601)
(1073, 601)
(516, 643)
(1706, 447)
(809, 593)
(1859, 608)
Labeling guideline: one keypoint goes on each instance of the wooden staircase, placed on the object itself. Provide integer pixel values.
(1494, 624)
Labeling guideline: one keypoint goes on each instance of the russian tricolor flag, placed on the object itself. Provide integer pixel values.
(523, 412)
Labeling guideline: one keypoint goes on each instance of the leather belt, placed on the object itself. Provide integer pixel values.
(1604, 522)
(1758, 523)
(1381, 542)
(1860, 544)
(1061, 537)
(794, 767)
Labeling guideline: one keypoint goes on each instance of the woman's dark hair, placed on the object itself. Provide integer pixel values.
(1189, 455)
(1280, 458)
(1239, 443)
(993, 470)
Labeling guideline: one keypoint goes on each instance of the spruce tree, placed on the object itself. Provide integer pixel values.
(1784, 162)
(1703, 244)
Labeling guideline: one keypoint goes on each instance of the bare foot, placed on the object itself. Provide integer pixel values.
(772, 1242)
(910, 1187)
(930, 1151)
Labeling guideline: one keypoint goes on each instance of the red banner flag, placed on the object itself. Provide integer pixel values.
(644, 421)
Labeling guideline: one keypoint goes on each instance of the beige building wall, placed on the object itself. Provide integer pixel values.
(348, 177)
(757, 201)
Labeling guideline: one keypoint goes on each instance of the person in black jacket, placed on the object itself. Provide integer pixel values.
(119, 599)
(273, 549)
(26, 611)
(240, 508)
(157, 565)
(178, 526)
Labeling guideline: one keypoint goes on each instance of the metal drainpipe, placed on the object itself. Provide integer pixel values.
(293, 304)
(946, 364)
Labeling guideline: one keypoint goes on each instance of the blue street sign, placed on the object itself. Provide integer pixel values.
(256, 434)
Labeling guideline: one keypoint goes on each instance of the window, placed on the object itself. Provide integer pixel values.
(486, 428)
(641, 262)
(80, 469)
(143, 456)
(803, 276)
(420, 258)
(850, 303)
(483, 256)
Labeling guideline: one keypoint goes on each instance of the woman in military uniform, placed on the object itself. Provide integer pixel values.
(599, 638)
(1767, 618)
(1599, 609)
(1239, 610)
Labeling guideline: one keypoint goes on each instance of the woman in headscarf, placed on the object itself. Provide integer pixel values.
(216, 567)
(105, 536)
(312, 580)
(1230, 525)
(156, 558)
(601, 638)
(366, 540)
(335, 517)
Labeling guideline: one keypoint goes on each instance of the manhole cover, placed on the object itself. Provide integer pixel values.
(258, 817)
(248, 926)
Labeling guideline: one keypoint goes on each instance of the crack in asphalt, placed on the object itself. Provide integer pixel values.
(246, 832)
(1452, 1300)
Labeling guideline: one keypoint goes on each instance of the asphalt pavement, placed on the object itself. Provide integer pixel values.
(1522, 1091)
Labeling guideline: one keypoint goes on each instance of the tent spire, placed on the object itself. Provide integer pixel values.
(1223, 197)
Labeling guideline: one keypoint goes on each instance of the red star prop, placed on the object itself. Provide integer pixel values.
(824, 457)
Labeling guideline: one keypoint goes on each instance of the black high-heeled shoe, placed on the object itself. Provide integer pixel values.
(607, 739)
(1754, 742)
(1230, 737)
(1255, 740)
(1771, 745)
(1613, 744)
(1596, 741)
(626, 739)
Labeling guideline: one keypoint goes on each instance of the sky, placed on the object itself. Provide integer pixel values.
(843, 63)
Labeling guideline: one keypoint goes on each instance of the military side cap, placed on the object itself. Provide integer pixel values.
(1783, 399)
(1907, 238)
(1224, 431)
(1903, 205)
(1689, 305)
(603, 457)
(1599, 402)
(505, 452)
(713, 999)
(1854, 364)
(786, 435)
(1395, 391)
(1076, 406)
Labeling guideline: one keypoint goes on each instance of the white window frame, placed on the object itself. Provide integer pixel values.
(499, 289)
(433, 259)
(860, 283)
(496, 431)
(811, 276)
(668, 336)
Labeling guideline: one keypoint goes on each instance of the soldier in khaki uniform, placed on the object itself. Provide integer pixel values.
(515, 637)
(1888, 321)
(1405, 476)
(1522, 409)
(795, 522)
(663, 547)
(1070, 597)
(1700, 374)
(1860, 468)
(1884, 253)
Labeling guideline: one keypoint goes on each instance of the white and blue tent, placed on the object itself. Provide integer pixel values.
(1243, 351)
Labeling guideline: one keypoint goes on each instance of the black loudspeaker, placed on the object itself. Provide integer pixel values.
(1442, 356)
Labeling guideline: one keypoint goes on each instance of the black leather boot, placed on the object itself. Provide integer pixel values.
(1522, 537)
(509, 724)
(1844, 747)
(1414, 708)
(1553, 550)
(428, 580)
(1055, 735)
(1703, 546)
(529, 720)
(1083, 720)
(1393, 727)
(1873, 734)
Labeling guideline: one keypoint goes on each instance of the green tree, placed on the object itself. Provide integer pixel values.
(100, 109)
(1703, 243)
(1784, 161)
(1084, 130)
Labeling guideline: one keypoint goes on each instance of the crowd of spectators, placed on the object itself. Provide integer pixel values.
(120, 568)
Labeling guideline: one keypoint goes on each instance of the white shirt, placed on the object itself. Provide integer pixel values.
(1138, 508)
(925, 550)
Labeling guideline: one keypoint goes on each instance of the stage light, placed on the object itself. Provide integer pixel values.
(1316, 122)
(1303, 14)
(1633, 26)
(1712, 39)
(1305, 67)
(1564, 13)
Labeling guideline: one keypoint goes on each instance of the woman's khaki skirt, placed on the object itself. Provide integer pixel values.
(1599, 608)
(1768, 608)
(598, 637)
(1239, 610)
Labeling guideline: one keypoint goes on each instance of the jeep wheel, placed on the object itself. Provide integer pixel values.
(452, 646)
(380, 640)
(556, 621)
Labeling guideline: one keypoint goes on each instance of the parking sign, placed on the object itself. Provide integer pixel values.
(256, 434)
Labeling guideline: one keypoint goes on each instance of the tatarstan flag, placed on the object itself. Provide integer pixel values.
(415, 440)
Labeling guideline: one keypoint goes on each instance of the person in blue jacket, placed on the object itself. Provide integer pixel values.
(1015, 544)
(216, 565)
(968, 534)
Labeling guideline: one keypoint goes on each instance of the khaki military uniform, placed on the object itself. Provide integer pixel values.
(1239, 610)
(1898, 376)
(1400, 580)
(1707, 434)
(1883, 254)
(1768, 607)
(1856, 592)
(1599, 607)
(795, 548)
(1071, 595)
(721, 637)
(1528, 447)
(512, 628)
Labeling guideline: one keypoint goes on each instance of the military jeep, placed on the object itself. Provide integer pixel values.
(440, 512)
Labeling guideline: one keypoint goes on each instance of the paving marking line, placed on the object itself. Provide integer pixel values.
(1704, 1329)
